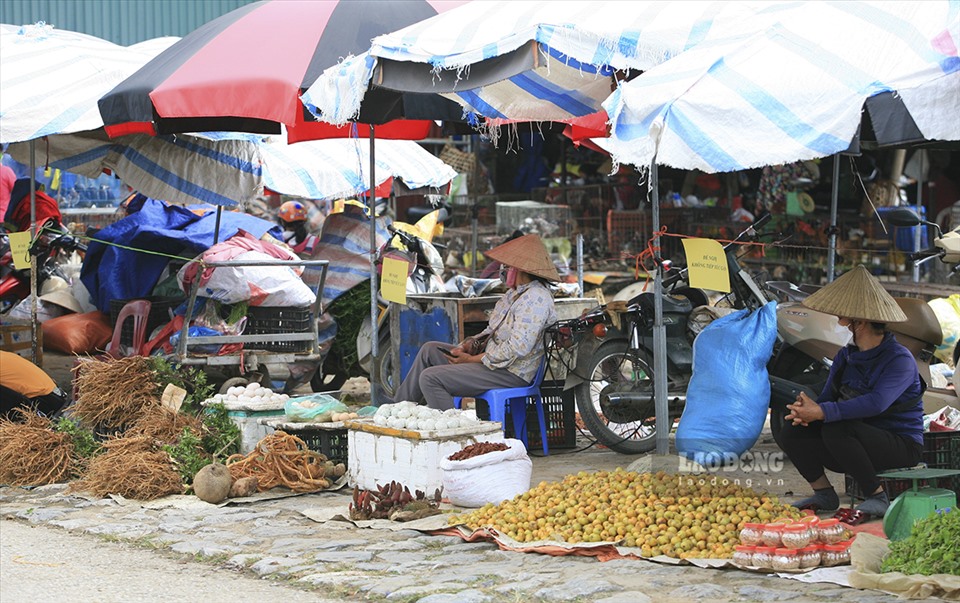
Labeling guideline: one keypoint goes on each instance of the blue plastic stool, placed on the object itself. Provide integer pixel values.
(501, 401)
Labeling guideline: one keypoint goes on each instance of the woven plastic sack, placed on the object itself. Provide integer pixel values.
(77, 333)
(729, 392)
(487, 478)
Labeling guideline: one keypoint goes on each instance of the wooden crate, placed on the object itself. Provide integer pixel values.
(19, 340)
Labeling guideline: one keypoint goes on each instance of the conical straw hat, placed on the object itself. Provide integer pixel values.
(857, 295)
(527, 254)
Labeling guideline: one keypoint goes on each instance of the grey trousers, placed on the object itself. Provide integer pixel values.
(434, 379)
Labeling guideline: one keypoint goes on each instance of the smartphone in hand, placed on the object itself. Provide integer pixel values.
(446, 351)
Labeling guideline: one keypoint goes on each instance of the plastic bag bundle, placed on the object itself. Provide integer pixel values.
(729, 392)
(313, 408)
(487, 478)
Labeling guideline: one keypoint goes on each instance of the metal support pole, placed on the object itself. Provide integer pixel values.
(375, 388)
(33, 259)
(216, 226)
(659, 329)
(834, 200)
(580, 262)
(916, 229)
(473, 189)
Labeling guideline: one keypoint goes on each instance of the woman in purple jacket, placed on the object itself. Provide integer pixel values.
(869, 417)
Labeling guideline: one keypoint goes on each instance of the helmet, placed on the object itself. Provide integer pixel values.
(292, 211)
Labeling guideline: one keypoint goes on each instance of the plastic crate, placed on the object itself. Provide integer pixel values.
(559, 412)
(332, 443)
(941, 450)
(159, 315)
(274, 320)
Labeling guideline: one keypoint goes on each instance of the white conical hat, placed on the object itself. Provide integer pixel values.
(856, 294)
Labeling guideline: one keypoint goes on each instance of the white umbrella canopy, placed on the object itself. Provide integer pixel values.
(228, 168)
(337, 168)
(51, 79)
(795, 89)
(528, 60)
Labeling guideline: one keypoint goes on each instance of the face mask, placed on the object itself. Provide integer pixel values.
(511, 278)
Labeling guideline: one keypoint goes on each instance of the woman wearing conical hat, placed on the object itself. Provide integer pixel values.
(515, 348)
(869, 417)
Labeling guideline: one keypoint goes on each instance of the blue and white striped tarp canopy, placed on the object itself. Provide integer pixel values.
(51, 80)
(528, 61)
(230, 168)
(793, 90)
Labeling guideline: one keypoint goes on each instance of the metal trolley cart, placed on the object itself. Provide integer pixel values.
(278, 342)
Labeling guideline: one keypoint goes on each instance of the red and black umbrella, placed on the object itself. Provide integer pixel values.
(244, 72)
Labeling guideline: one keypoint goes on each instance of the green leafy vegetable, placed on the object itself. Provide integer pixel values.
(188, 455)
(930, 549)
(85, 444)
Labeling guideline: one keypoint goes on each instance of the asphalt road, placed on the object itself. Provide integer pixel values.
(40, 564)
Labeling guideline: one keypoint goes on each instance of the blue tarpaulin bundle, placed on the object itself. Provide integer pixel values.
(111, 272)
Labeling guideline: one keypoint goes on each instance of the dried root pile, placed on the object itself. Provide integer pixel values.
(33, 454)
(115, 393)
(133, 468)
(281, 459)
(163, 425)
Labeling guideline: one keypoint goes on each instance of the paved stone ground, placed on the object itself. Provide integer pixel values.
(274, 541)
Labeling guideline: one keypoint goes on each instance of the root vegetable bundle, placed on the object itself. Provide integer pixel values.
(115, 393)
(163, 425)
(281, 459)
(33, 454)
(131, 467)
(661, 514)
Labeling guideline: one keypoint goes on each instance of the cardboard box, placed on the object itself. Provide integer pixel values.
(411, 458)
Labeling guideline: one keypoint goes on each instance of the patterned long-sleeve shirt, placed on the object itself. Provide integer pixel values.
(517, 323)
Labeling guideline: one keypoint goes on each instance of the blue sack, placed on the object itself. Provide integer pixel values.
(729, 392)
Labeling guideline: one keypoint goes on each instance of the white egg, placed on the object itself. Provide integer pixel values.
(252, 386)
(403, 413)
(429, 425)
(379, 420)
(441, 424)
(284, 397)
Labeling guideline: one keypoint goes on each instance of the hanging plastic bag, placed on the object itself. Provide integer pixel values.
(729, 392)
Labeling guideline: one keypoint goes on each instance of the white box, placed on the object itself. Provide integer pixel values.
(247, 418)
(377, 458)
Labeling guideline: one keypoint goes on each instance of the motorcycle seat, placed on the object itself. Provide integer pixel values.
(672, 304)
(922, 323)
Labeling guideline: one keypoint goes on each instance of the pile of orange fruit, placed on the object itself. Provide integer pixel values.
(680, 516)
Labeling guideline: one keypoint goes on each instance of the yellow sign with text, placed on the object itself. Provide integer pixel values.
(393, 280)
(20, 249)
(706, 265)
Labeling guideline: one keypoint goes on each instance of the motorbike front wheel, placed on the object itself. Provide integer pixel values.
(614, 367)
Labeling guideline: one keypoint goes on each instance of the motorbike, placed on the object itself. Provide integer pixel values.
(51, 249)
(613, 370)
(351, 356)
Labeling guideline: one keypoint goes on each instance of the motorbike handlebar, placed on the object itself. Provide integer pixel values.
(926, 255)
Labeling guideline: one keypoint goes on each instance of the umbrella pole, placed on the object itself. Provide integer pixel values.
(659, 330)
(474, 183)
(216, 227)
(375, 337)
(33, 259)
(834, 199)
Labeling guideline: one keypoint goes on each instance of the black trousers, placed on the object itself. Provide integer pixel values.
(48, 404)
(851, 447)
